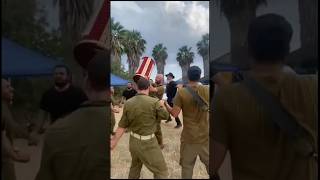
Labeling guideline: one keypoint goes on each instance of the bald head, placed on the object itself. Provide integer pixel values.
(159, 78)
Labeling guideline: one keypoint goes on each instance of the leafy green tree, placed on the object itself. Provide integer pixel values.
(160, 55)
(203, 51)
(239, 14)
(185, 58)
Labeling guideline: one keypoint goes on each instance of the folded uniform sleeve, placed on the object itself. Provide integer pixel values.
(124, 121)
(177, 101)
(162, 113)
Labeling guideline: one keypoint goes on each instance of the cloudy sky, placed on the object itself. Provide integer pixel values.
(173, 23)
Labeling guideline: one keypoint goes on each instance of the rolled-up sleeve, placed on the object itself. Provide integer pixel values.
(161, 112)
(124, 121)
(177, 101)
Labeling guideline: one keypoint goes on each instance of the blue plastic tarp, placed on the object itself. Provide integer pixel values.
(20, 61)
(118, 81)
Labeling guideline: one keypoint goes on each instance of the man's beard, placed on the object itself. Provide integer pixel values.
(61, 84)
(158, 82)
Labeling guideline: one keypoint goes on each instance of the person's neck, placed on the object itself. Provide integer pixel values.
(60, 89)
(145, 92)
(193, 83)
(267, 68)
(97, 96)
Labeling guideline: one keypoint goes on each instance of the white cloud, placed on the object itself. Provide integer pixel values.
(125, 6)
(175, 7)
(174, 24)
(198, 17)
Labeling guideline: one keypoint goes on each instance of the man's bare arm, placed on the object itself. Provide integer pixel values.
(119, 132)
(175, 111)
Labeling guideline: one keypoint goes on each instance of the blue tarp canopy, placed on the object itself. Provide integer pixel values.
(20, 61)
(117, 81)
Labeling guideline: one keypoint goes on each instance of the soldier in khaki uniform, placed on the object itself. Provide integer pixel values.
(141, 114)
(195, 133)
(157, 91)
(8, 128)
(75, 148)
(113, 110)
(260, 149)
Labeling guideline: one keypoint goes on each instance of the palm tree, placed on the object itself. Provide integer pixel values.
(117, 48)
(74, 16)
(308, 13)
(134, 47)
(185, 58)
(239, 14)
(160, 55)
(203, 51)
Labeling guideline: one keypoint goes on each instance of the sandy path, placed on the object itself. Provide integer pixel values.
(121, 159)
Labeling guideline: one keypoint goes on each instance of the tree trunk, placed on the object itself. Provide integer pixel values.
(206, 66)
(185, 73)
(136, 64)
(130, 65)
(160, 67)
(239, 24)
(308, 12)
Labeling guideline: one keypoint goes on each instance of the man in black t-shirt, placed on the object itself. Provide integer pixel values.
(63, 98)
(129, 92)
(171, 90)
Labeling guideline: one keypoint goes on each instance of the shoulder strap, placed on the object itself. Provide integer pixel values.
(285, 121)
(200, 102)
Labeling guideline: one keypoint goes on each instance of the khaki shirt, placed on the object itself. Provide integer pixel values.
(141, 114)
(159, 93)
(76, 148)
(258, 149)
(195, 121)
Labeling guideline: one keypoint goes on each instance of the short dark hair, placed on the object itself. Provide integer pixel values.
(63, 66)
(143, 83)
(269, 38)
(194, 73)
(98, 70)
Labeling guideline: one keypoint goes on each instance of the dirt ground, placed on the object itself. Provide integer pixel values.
(121, 159)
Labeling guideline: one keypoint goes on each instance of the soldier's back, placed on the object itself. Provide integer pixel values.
(76, 147)
(141, 113)
(242, 124)
(195, 120)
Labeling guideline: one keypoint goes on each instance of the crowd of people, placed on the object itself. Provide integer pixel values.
(267, 121)
(142, 116)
